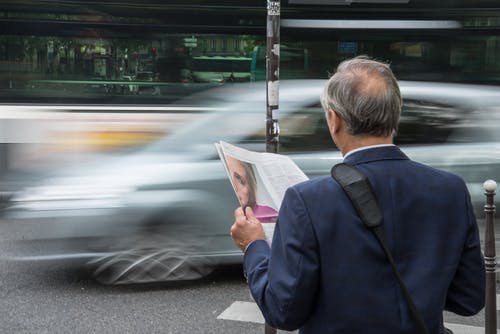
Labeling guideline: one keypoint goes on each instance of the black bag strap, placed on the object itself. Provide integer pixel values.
(359, 190)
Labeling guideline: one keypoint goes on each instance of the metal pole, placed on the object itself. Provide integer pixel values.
(490, 312)
(4, 157)
(272, 75)
(272, 87)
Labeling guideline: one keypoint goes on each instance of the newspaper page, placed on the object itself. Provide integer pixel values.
(260, 180)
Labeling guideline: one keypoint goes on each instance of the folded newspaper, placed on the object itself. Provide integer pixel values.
(260, 180)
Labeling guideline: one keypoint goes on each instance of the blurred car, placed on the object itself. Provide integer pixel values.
(163, 212)
(212, 77)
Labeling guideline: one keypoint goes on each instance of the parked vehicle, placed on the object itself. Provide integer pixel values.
(218, 69)
(130, 88)
(145, 76)
(97, 85)
(163, 212)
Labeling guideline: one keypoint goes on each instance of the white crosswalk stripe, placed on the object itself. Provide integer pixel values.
(242, 311)
(464, 329)
(249, 312)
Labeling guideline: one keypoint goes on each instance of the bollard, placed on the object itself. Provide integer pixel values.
(490, 311)
(269, 330)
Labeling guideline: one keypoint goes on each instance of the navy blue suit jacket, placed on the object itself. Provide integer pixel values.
(327, 273)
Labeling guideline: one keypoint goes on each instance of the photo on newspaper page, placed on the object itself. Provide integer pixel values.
(259, 180)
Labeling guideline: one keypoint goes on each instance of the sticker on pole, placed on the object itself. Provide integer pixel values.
(276, 50)
(273, 7)
(273, 93)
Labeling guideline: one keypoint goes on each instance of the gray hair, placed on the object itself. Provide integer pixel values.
(365, 94)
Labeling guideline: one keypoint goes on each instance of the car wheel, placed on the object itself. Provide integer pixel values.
(155, 257)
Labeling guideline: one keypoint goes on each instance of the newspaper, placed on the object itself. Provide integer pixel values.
(260, 180)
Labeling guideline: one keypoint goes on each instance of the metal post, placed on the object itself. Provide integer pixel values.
(272, 75)
(269, 330)
(490, 312)
(4, 158)
(272, 87)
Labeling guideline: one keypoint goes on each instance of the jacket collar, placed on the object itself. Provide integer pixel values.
(376, 154)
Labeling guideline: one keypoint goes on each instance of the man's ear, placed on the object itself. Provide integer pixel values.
(335, 121)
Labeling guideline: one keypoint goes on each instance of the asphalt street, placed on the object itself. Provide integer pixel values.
(62, 298)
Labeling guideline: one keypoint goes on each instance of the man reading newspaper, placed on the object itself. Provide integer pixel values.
(259, 180)
(325, 272)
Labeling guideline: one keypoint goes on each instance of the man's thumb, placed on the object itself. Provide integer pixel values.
(250, 215)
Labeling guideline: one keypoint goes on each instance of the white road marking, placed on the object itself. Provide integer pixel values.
(243, 311)
(464, 329)
(249, 312)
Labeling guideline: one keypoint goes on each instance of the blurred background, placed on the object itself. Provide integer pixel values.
(109, 112)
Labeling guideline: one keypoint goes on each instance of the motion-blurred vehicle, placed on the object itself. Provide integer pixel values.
(211, 77)
(163, 212)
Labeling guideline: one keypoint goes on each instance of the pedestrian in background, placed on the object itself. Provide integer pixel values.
(325, 271)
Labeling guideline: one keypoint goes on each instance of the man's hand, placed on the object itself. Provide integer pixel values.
(246, 228)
